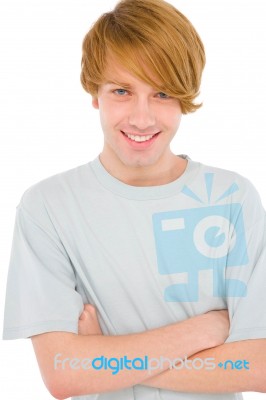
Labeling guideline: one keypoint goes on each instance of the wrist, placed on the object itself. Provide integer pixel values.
(200, 332)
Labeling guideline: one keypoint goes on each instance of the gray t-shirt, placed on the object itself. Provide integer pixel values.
(144, 256)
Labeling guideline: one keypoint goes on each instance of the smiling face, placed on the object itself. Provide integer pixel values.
(138, 123)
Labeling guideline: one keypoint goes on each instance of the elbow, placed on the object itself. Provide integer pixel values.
(59, 387)
(60, 392)
(57, 391)
(57, 395)
(65, 387)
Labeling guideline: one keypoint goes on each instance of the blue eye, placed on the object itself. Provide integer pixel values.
(120, 91)
(164, 96)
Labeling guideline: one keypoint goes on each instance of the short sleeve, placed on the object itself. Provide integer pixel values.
(40, 292)
(248, 313)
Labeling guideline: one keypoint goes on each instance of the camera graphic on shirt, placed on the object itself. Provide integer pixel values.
(205, 238)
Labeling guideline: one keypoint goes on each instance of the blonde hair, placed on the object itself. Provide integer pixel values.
(144, 34)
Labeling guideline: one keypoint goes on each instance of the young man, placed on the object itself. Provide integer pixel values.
(129, 234)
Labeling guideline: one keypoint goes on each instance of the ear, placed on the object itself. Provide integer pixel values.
(95, 102)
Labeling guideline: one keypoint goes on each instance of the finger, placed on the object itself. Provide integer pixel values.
(89, 308)
(84, 315)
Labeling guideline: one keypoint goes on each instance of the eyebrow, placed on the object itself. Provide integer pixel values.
(123, 84)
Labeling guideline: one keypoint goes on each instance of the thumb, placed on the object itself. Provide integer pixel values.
(88, 308)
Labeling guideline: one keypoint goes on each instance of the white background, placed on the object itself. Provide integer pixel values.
(48, 126)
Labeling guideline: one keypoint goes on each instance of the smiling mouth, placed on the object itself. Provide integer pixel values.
(140, 138)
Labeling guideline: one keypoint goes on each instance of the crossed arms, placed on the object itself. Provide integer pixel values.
(201, 336)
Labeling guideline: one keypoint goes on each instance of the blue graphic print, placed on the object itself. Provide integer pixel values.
(205, 238)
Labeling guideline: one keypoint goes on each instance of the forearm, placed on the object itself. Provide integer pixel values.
(176, 340)
(219, 379)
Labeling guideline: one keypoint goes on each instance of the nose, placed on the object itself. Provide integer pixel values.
(142, 115)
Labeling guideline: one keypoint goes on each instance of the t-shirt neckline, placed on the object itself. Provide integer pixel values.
(143, 192)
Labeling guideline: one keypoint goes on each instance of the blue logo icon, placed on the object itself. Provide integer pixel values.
(205, 238)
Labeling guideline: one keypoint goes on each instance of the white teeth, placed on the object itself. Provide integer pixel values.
(139, 138)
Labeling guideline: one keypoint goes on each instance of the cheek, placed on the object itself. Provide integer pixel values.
(110, 112)
(171, 118)
(106, 115)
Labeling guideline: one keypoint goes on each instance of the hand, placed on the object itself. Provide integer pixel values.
(218, 326)
(88, 321)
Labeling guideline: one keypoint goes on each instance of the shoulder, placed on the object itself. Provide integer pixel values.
(225, 175)
(53, 189)
(224, 184)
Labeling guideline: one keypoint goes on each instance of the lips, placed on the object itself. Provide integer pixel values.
(140, 138)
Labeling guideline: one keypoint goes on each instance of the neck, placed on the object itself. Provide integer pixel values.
(152, 175)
